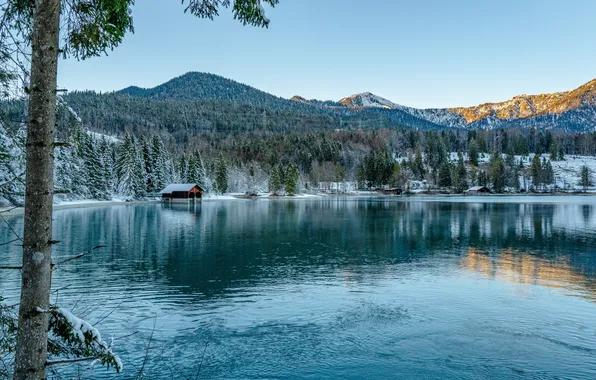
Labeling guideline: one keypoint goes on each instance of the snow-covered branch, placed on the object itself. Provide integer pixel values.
(83, 339)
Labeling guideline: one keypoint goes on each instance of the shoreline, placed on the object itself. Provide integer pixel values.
(19, 211)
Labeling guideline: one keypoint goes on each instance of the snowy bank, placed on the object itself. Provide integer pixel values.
(13, 211)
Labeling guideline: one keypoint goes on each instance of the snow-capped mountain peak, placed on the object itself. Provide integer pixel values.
(368, 99)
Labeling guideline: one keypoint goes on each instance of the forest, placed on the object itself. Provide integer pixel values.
(132, 163)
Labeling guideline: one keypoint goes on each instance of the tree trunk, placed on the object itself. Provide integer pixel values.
(32, 337)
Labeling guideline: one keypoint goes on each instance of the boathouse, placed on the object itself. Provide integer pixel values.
(477, 190)
(182, 192)
(392, 191)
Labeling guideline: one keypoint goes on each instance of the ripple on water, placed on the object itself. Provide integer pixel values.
(328, 289)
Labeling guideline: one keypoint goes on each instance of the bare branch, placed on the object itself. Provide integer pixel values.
(79, 255)
(11, 268)
(8, 242)
(10, 228)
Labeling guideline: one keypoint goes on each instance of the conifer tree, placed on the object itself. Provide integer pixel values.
(547, 173)
(95, 170)
(497, 172)
(445, 175)
(221, 176)
(418, 165)
(275, 180)
(462, 180)
(183, 169)
(131, 170)
(473, 152)
(536, 171)
(160, 161)
(483, 179)
(585, 179)
(361, 178)
(292, 176)
(148, 165)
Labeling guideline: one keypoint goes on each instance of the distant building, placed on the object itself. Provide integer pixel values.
(392, 191)
(186, 192)
(477, 190)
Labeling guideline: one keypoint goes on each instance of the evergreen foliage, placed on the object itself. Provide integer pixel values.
(221, 176)
(585, 177)
(276, 180)
(497, 173)
(291, 179)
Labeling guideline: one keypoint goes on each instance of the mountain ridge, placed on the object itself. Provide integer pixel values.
(574, 109)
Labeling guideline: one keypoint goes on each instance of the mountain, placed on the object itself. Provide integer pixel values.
(201, 102)
(366, 99)
(194, 86)
(527, 106)
(571, 110)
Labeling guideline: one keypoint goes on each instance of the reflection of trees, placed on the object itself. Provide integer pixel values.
(255, 241)
(524, 268)
(212, 247)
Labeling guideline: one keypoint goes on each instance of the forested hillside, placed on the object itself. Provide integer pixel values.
(229, 137)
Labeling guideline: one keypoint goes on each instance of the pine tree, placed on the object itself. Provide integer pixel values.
(497, 172)
(418, 165)
(361, 178)
(554, 151)
(196, 170)
(483, 178)
(131, 170)
(291, 179)
(275, 181)
(547, 173)
(148, 165)
(585, 180)
(95, 170)
(396, 179)
(160, 163)
(536, 171)
(221, 176)
(462, 174)
(473, 152)
(183, 169)
(445, 175)
(474, 176)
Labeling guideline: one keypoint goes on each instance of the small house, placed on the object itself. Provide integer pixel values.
(392, 191)
(478, 190)
(186, 192)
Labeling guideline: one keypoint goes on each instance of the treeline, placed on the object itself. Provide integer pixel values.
(133, 165)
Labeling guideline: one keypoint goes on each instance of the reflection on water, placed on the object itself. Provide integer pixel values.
(526, 268)
(337, 287)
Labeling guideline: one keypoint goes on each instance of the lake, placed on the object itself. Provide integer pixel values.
(352, 288)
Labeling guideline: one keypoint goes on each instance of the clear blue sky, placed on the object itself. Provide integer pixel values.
(420, 53)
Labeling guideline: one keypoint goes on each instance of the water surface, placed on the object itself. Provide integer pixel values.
(335, 288)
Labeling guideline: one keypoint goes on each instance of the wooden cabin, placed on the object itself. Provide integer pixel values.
(185, 192)
(392, 191)
(477, 190)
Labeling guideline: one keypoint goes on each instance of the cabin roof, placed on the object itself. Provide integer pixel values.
(476, 188)
(179, 187)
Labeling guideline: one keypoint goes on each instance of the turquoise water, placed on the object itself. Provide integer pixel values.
(335, 288)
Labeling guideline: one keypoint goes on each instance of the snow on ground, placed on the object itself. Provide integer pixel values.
(100, 136)
(567, 172)
(221, 197)
(336, 187)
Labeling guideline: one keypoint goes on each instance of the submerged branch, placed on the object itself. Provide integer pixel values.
(67, 361)
(79, 255)
(11, 267)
